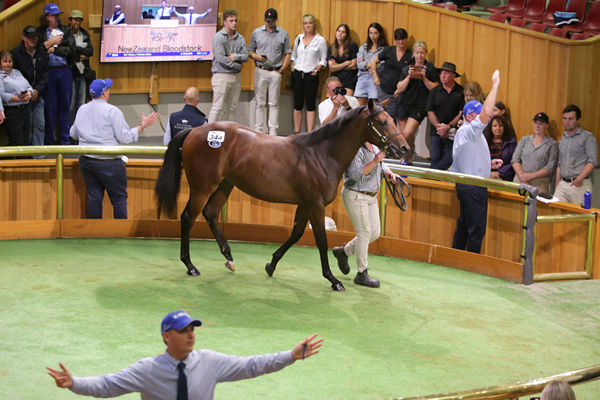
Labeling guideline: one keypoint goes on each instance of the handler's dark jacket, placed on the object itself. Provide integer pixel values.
(36, 74)
(87, 51)
(66, 48)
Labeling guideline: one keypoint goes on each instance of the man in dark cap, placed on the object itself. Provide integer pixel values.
(444, 108)
(81, 63)
(31, 59)
(182, 372)
(271, 51)
(60, 46)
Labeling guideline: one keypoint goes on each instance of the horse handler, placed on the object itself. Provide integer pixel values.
(359, 194)
(181, 370)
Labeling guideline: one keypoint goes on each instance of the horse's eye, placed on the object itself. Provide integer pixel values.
(384, 123)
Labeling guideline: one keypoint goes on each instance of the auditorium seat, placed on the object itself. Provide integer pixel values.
(576, 6)
(513, 5)
(557, 32)
(520, 23)
(498, 17)
(547, 17)
(591, 22)
(534, 8)
(578, 36)
(538, 27)
(447, 6)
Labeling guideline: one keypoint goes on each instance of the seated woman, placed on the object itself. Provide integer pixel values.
(393, 59)
(536, 156)
(415, 82)
(341, 57)
(502, 141)
(365, 86)
(16, 93)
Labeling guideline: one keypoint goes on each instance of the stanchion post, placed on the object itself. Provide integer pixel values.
(59, 186)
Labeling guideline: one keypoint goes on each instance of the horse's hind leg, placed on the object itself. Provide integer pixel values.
(211, 212)
(300, 221)
(188, 217)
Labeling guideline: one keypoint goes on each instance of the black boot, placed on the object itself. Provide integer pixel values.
(342, 259)
(363, 279)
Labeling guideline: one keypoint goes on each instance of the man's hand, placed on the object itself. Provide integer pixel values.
(149, 120)
(306, 348)
(63, 378)
(442, 130)
(392, 177)
(496, 78)
(497, 163)
(35, 95)
(577, 182)
(231, 57)
(2, 116)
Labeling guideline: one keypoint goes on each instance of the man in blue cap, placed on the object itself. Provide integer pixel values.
(471, 155)
(98, 123)
(180, 370)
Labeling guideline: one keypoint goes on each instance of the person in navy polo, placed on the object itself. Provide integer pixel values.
(189, 117)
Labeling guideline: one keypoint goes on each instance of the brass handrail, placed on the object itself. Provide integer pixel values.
(515, 390)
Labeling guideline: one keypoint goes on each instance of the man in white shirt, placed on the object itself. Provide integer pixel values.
(118, 17)
(190, 18)
(337, 103)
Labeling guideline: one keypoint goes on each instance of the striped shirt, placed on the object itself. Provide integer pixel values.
(274, 45)
(223, 46)
(533, 158)
(364, 57)
(354, 177)
(576, 151)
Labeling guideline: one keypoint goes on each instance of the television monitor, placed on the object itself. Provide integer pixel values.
(153, 30)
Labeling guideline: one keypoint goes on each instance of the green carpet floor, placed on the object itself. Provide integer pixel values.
(96, 305)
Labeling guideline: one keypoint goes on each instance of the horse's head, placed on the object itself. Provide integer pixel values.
(383, 131)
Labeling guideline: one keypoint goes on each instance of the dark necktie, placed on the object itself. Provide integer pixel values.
(182, 393)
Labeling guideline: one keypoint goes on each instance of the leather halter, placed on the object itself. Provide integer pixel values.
(383, 139)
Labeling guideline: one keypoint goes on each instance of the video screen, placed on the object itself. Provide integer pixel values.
(142, 31)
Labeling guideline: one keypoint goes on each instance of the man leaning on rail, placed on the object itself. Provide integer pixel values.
(98, 123)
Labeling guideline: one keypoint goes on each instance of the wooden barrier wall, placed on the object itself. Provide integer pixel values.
(539, 72)
(28, 193)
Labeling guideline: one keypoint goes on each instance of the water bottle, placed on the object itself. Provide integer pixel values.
(587, 200)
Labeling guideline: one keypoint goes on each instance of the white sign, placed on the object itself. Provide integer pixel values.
(215, 138)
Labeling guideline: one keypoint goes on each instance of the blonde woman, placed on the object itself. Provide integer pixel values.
(309, 57)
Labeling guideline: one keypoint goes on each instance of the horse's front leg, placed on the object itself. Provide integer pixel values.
(317, 219)
(300, 220)
(188, 217)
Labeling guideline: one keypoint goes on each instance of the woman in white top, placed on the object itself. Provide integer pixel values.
(15, 92)
(309, 57)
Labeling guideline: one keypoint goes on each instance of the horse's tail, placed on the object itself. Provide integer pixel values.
(168, 183)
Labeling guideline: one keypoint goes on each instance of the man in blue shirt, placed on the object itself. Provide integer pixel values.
(180, 370)
(471, 155)
(98, 123)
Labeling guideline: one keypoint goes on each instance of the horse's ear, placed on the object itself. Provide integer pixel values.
(371, 105)
(384, 103)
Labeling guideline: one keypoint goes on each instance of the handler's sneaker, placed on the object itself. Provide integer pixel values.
(342, 259)
(363, 279)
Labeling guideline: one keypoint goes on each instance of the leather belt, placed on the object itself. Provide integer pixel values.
(372, 194)
(268, 68)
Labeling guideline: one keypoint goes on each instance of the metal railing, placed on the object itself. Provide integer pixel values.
(513, 391)
(529, 211)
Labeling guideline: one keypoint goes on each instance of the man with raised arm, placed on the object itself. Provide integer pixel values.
(182, 372)
(471, 155)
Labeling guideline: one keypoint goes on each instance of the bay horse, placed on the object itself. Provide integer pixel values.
(303, 169)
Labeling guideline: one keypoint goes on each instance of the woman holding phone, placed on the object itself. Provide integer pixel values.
(15, 92)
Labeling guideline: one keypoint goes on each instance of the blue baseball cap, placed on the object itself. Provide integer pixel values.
(471, 107)
(99, 86)
(52, 9)
(177, 320)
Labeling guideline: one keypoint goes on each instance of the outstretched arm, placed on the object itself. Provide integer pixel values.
(490, 100)
(307, 348)
(63, 378)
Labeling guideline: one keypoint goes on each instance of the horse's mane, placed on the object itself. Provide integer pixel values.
(328, 130)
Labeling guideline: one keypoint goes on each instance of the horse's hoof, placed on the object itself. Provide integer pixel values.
(230, 265)
(269, 269)
(338, 287)
(193, 272)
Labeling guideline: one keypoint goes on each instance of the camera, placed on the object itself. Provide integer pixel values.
(340, 90)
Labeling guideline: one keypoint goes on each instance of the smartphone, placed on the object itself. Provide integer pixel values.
(24, 92)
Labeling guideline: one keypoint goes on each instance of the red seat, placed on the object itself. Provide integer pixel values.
(447, 6)
(591, 22)
(557, 32)
(536, 26)
(548, 16)
(576, 6)
(518, 22)
(513, 5)
(578, 36)
(534, 8)
(498, 17)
